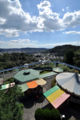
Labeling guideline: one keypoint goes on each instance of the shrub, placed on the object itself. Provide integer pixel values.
(38, 114)
(47, 114)
(10, 107)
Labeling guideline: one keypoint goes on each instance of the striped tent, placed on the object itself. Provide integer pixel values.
(69, 82)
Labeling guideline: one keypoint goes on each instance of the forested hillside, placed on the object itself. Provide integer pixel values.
(15, 59)
(61, 50)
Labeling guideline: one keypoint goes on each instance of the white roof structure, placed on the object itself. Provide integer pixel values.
(69, 82)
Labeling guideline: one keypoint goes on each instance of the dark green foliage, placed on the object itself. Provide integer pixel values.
(68, 57)
(15, 59)
(61, 50)
(9, 80)
(71, 54)
(77, 58)
(47, 114)
(10, 108)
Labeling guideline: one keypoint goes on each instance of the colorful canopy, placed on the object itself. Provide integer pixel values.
(41, 82)
(70, 82)
(56, 96)
(6, 86)
(47, 74)
(57, 69)
(31, 74)
(32, 84)
(23, 87)
(27, 75)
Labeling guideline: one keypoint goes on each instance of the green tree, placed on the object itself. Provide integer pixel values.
(47, 114)
(69, 56)
(77, 58)
(10, 107)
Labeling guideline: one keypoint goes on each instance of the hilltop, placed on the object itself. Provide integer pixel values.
(61, 50)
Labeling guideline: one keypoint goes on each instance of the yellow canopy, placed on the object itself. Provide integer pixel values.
(41, 82)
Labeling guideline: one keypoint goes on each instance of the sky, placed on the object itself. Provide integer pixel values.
(39, 23)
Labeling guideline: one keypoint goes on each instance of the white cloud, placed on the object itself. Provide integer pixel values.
(23, 43)
(71, 19)
(51, 20)
(9, 32)
(2, 20)
(44, 8)
(14, 20)
(18, 43)
(72, 32)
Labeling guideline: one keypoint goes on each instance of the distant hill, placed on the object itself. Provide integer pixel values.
(61, 50)
(24, 50)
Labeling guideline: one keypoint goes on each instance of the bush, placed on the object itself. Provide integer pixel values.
(47, 114)
(68, 57)
(65, 68)
(38, 114)
(10, 107)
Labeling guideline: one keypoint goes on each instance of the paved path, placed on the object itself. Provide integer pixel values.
(30, 105)
(30, 112)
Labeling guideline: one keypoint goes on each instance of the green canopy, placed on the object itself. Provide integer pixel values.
(31, 74)
(27, 75)
(57, 69)
(23, 87)
(47, 74)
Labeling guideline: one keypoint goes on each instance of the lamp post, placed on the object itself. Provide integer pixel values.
(62, 117)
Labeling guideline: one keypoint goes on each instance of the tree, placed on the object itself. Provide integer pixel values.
(10, 107)
(47, 114)
(77, 58)
(68, 57)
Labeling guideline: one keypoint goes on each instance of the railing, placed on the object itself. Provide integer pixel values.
(71, 66)
(18, 67)
(10, 74)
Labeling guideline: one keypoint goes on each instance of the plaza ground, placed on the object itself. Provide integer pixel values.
(71, 111)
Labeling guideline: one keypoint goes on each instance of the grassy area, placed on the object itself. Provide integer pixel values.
(9, 80)
(67, 69)
(44, 72)
(47, 65)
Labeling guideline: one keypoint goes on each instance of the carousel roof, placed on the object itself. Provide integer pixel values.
(70, 82)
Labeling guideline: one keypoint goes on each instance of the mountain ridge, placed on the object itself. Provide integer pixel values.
(61, 50)
(24, 50)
